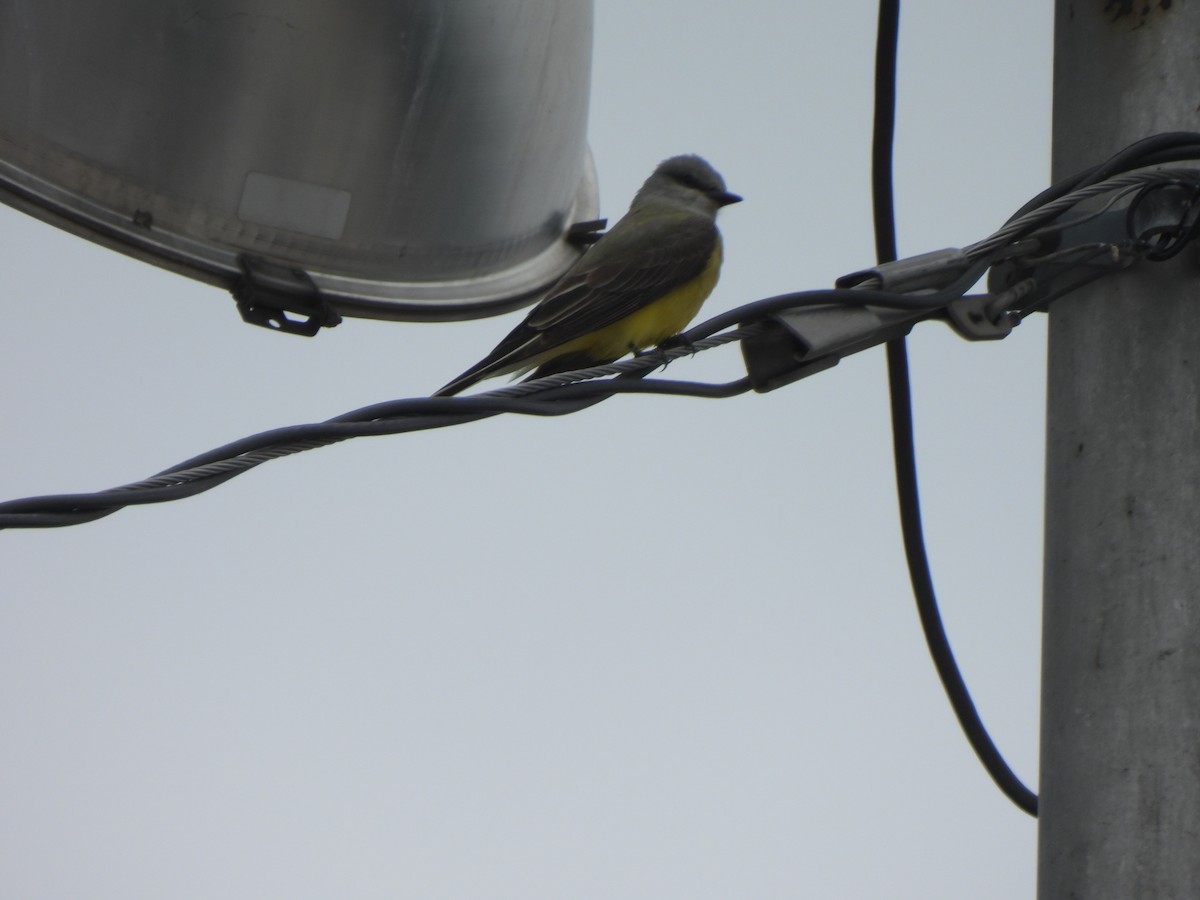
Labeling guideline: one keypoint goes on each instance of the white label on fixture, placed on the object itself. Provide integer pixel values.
(294, 205)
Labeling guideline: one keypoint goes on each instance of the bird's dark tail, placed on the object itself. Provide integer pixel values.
(463, 381)
(568, 362)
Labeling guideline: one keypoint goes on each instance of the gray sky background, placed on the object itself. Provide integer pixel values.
(663, 648)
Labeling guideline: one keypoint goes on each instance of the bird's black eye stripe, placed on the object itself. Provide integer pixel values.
(688, 180)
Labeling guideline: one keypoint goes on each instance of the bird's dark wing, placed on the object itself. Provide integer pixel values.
(630, 268)
(634, 264)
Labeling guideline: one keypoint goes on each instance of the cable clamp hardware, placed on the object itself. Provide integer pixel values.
(926, 271)
(581, 234)
(800, 342)
(268, 291)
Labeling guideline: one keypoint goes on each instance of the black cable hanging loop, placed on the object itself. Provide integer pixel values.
(887, 43)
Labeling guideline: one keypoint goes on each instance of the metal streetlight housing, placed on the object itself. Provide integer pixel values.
(392, 159)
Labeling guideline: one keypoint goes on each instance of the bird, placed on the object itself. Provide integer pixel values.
(642, 282)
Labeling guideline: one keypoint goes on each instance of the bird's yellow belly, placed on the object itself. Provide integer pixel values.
(653, 323)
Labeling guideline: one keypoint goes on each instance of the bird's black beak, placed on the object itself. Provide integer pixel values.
(724, 198)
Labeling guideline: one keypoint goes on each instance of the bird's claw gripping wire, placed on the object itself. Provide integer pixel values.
(677, 341)
(663, 352)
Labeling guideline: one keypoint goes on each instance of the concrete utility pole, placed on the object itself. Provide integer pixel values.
(1120, 746)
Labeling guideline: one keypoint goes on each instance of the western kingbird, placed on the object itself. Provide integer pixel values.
(641, 283)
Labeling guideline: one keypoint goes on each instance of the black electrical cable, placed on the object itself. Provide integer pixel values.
(1158, 149)
(571, 392)
(887, 42)
(207, 470)
(401, 416)
(553, 396)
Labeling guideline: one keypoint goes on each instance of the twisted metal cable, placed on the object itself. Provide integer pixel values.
(217, 466)
(569, 392)
(1027, 222)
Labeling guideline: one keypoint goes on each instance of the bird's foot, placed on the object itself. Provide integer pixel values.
(676, 341)
(655, 352)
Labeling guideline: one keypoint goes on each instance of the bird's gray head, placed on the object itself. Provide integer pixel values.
(689, 181)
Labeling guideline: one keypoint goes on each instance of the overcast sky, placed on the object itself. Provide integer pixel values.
(662, 648)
